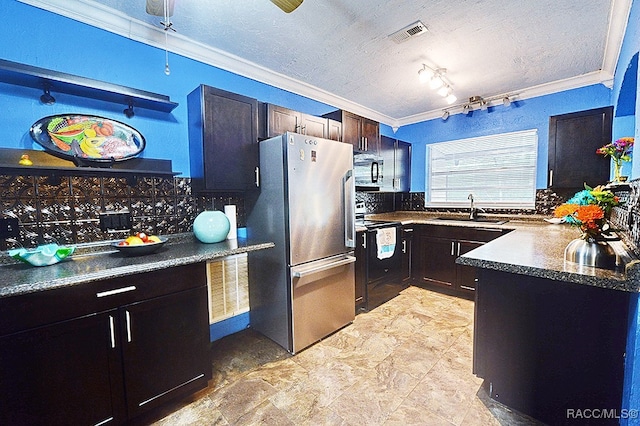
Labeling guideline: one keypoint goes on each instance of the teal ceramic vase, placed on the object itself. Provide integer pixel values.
(211, 226)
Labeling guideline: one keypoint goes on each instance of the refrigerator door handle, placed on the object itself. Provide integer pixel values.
(348, 206)
(347, 260)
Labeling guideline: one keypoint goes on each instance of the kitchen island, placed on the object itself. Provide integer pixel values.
(102, 338)
(551, 338)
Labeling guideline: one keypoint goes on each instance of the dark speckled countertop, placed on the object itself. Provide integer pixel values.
(534, 248)
(97, 262)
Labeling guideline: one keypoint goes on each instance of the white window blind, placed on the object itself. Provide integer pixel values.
(499, 170)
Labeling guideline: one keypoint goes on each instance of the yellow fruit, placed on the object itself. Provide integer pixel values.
(89, 149)
(134, 241)
(90, 133)
(154, 239)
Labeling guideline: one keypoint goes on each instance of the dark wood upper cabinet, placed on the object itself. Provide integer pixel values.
(573, 140)
(223, 133)
(361, 132)
(396, 166)
(335, 130)
(278, 120)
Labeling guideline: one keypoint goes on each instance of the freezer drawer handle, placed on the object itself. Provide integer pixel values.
(347, 260)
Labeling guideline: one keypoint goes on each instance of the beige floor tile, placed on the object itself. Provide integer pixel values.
(407, 362)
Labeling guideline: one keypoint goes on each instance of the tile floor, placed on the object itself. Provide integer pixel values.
(407, 362)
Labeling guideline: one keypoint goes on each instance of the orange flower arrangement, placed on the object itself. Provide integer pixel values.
(589, 210)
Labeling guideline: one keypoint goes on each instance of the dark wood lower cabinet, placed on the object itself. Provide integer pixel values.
(544, 347)
(435, 251)
(162, 350)
(407, 247)
(139, 341)
(62, 374)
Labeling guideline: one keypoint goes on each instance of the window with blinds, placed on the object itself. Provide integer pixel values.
(499, 170)
(228, 287)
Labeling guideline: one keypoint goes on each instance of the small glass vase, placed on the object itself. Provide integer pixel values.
(598, 254)
(617, 170)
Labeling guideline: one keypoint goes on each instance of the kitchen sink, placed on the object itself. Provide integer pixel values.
(478, 219)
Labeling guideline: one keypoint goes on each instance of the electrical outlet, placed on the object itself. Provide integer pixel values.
(9, 227)
(115, 221)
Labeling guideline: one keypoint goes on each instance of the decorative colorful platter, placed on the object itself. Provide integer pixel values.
(87, 138)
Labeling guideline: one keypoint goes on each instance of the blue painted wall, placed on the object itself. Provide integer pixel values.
(36, 37)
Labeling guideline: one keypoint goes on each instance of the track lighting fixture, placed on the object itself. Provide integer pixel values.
(478, 102)
(435, 78)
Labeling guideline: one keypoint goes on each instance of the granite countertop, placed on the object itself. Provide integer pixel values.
(93, 262)
(535, 248)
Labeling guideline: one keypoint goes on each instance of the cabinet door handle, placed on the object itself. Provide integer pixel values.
(551, 177)
(452, 248)
(467, 288)
(458, 249)
(112, 331)
(257, 177)
(116, 291)
(127, 317)
(364, 240)
(404, 246)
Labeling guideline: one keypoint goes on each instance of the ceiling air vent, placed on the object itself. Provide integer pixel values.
(412, 30)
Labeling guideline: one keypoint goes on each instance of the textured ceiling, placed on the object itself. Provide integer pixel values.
(339, 52)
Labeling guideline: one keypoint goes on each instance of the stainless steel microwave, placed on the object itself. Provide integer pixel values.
(368, 171)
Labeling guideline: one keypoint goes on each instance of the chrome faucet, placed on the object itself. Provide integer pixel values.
(473, 213)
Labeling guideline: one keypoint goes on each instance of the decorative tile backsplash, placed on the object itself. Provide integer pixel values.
(378, 202)
(626, 217)
(66, 209)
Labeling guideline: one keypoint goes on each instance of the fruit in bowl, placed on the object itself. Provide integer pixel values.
(139, 238)
(140, 243)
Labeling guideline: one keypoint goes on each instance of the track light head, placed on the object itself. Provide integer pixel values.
(129, 111)
(46, 97)
(506, 101)
(445, 115)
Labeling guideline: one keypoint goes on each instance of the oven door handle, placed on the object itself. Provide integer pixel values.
(347, 260)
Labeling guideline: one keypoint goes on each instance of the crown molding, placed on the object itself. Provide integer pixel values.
(97, 15)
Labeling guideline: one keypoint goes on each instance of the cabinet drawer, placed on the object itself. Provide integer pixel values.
(27, 311)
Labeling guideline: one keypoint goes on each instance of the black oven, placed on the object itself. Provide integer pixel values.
(384, 260)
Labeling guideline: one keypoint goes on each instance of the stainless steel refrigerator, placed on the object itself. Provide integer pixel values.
(303, 289)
